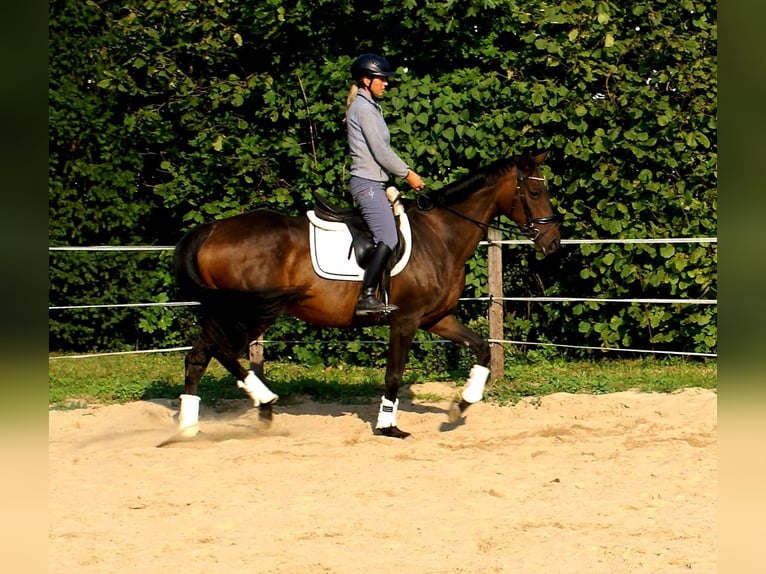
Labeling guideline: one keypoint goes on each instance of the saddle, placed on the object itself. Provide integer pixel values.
(341, 242)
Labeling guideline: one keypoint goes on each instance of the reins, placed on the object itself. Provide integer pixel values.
(529, 228)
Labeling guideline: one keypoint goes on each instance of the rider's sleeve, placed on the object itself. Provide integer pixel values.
(378, 137)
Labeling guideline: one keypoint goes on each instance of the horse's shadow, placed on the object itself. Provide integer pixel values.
(222, 401)
(368, 411)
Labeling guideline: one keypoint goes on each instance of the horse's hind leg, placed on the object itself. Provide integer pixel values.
(232, 338)
(451, 329)
(248, 381)
(225, 342)
(195, 365)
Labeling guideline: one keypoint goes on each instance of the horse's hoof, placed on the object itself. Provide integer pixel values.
(181, 435)
(456, 410)
(394, 432)
(266, 412)
(189, 432)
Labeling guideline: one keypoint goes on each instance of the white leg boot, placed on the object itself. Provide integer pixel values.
(257, 390)
(387, 413)
(188, 417)
(474, 387)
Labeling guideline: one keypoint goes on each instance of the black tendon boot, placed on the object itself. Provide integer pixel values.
(367, 302)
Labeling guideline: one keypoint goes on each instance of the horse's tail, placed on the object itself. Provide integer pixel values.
(256, 306)
(185, 270)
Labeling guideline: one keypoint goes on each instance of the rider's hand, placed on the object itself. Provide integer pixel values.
(414, 180)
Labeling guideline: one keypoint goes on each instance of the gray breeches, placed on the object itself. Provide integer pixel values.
(371, 198)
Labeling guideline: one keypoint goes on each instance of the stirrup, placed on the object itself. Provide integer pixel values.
(371, 305)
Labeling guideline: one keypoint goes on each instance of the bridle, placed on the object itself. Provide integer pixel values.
(529, 228)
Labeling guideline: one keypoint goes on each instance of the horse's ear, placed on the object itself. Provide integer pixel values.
(540, 158)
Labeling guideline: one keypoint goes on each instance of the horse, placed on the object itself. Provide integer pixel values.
(247, 270)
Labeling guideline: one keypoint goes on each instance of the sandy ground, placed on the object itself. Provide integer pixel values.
(617, 483)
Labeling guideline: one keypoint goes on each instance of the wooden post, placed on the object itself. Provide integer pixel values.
(256, 356)
(496, 307)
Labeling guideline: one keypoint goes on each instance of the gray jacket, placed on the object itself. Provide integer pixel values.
(369, 141)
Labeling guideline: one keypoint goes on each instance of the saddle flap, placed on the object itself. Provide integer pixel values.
(332, 250)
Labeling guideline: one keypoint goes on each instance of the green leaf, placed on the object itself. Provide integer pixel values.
(138, 96)
(667, 250)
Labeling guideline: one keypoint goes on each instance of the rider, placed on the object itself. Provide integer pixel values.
(372, 163)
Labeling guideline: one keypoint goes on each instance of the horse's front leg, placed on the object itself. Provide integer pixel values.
(451, 329)
(400, 340)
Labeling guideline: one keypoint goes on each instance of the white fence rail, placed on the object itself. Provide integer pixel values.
(604, 300)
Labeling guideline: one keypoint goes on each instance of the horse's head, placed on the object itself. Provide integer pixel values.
(530, 206)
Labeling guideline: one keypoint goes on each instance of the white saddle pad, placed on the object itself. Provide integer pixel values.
(331, 253)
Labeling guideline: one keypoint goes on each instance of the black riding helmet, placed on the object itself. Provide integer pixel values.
(371, 65)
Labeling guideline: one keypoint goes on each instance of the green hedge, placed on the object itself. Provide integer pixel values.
(167, 114)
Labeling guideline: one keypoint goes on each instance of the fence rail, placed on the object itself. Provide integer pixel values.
(634, 241)
(497, 341)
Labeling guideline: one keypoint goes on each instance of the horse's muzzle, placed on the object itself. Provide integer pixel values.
(547, 240)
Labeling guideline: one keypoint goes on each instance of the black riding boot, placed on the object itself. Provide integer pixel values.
(367, 302)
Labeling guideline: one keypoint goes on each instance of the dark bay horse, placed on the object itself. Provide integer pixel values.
(249, 269)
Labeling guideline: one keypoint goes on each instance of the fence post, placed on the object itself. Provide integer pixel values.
(255, 353)
(495, 271)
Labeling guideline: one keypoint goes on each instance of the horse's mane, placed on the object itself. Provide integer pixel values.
(482, 177)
